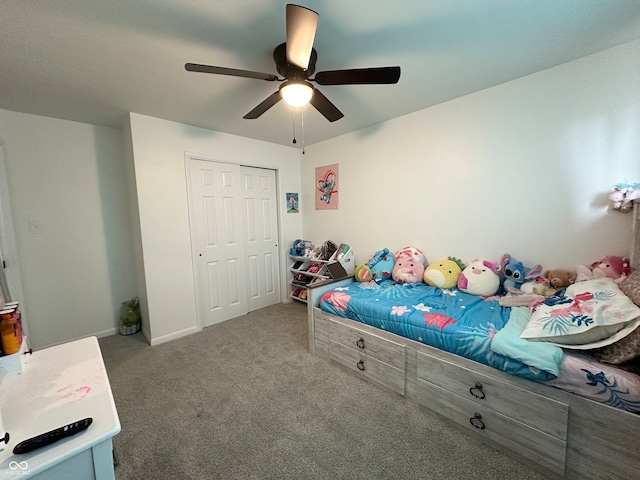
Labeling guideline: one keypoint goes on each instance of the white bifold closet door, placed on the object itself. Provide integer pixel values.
(234, 237)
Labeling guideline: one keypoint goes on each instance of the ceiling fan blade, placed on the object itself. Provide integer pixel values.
(325, 107)
(262, 107)
(358, 76)
(234, 72)
(301, 31)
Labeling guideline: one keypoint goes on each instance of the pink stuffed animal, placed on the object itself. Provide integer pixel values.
(481, 277)
(611, 266)
(409, 266)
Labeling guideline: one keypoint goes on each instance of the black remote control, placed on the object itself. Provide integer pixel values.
(54, 435)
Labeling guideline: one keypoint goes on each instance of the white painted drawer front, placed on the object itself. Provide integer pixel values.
(544, 449)
(377, 347)
(369, 367)
(542, 413)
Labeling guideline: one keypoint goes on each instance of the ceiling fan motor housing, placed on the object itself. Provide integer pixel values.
(291, 72)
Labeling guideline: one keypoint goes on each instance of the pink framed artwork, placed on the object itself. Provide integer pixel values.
(327, 187)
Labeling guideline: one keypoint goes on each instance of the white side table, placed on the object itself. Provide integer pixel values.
(60, 385)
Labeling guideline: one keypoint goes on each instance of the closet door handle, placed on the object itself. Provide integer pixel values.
(360, 343)
(476, 421)
(476, 391)
(360, 365)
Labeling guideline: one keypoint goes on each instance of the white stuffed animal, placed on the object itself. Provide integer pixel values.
(481, 277)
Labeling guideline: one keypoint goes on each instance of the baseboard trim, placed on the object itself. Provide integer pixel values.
(167, 338)
(101, 334)
(107, 333)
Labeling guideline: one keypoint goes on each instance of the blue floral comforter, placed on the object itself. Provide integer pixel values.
(450, 320)
(465, 324)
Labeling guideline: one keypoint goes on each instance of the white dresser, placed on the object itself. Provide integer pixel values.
(58, 386)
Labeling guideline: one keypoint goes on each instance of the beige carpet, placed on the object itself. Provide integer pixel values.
(244, 400)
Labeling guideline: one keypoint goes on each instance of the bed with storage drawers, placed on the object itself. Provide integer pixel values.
(560, 433)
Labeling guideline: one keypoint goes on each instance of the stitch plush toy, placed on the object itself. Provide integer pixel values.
(409, 266)
(481, 277)
(516, 273)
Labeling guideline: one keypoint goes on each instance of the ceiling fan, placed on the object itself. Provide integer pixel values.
(296, 61)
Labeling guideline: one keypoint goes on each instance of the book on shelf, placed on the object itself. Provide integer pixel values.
(342, 251)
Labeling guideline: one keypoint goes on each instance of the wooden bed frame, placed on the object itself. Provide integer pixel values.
(560, 434)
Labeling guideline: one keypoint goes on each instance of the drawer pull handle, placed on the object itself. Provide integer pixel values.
(477, 391)
(360, 343)
(476, 421)
(360, 365)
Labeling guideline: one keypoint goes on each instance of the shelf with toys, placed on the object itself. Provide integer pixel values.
(318, 264)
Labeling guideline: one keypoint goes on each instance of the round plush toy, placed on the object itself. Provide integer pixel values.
(363, 273)
(611, 266)
(443, 273)
(481, 277)
(409, 266)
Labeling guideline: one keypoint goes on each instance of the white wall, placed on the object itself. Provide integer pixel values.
(70, 210)
(159, 148)
(524, 167)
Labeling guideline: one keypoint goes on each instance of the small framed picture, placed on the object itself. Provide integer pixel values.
(293, 206)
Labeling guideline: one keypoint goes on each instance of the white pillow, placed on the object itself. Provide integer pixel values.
(595, 313)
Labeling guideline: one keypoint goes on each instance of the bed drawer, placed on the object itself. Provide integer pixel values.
(373, 346)
(533, 444)
(371, 368)
(542, 413)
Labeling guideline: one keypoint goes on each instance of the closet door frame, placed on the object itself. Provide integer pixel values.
(195, 253)
(8, 245)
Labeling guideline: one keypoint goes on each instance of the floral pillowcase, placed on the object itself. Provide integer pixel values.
(590, 314)
(626, 348)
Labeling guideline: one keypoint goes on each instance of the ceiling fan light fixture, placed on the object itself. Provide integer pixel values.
(296, 94)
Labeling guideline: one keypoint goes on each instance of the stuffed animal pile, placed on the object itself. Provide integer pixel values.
(483, 277)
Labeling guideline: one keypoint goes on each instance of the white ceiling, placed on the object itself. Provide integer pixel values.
(95, 60)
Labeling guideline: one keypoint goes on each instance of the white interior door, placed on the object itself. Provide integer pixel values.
(217, 241)
(261, 236)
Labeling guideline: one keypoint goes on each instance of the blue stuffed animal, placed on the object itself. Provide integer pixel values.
(379, 267)
(515, 273)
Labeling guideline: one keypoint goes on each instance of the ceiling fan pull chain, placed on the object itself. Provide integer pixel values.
(302, 126)
(293, 123)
